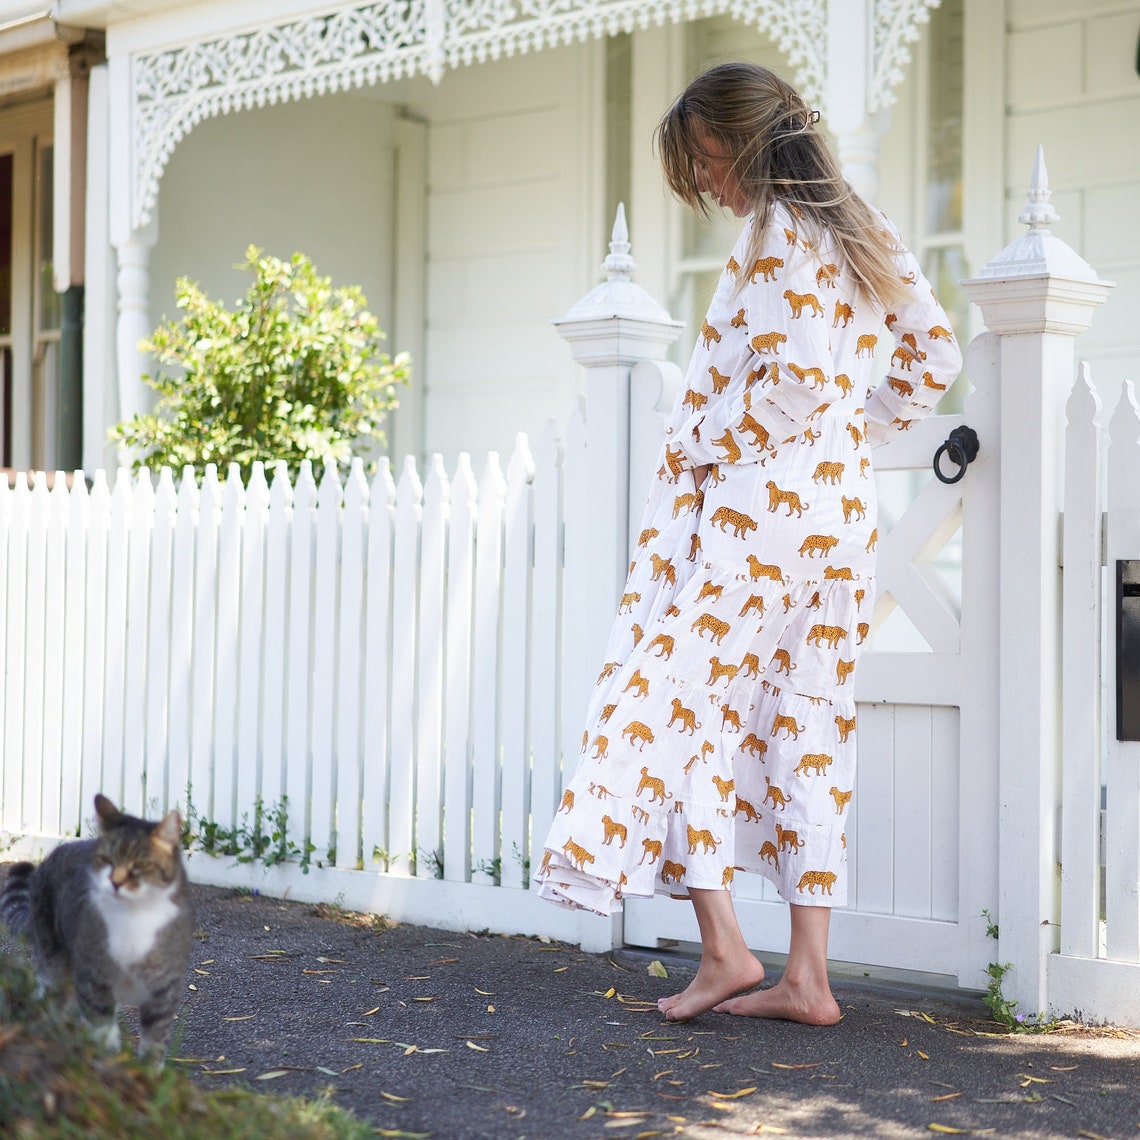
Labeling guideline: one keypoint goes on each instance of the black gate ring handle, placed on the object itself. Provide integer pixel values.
(962, 447)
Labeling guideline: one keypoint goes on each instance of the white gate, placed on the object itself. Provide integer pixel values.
(923, 831)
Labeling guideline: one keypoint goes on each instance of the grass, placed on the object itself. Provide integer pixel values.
(56, 1083)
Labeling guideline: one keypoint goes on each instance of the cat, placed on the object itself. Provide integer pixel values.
(112, 916)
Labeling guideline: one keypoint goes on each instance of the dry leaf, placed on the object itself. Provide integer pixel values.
(223, 1072)
(245, 1017)
(812, 1065)
(273, 1075)
(478, 1048)
(944, 1096)
(397, 1134)
(560, 969)
(656, 970)
(490, 1009)
(595, 1084)
(392, 1096)
(370, 1012)
(736, 1095)
(923, 1055)
(949, 1130)
(333, 961)
(609, 993)
(485, 993)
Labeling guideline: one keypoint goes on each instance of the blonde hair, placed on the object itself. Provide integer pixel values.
(768, 133)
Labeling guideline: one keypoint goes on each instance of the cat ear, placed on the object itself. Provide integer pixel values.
(106, 811)
(167, 834)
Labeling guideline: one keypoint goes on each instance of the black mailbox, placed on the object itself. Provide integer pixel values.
(1128, 649)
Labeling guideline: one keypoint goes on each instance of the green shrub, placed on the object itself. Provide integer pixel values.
(295, 371)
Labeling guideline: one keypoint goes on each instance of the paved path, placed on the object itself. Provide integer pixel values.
(458, 1036)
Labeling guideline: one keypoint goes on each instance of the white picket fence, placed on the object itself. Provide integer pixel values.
(1095, 972)
(382, 658)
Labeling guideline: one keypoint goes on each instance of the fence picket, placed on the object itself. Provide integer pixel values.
(402, 751)
(95, 639)
(227, 593)
(14, 673)
(12, 773)
(157, 679)
(182, 597)
(515, 626)
(1080, 636)
(205, 609)
(115, 667)
(298, 711)
(374, 840)
(140, 523)
(460, 605)
(350, 668)
(34, 649)
(545, 726)
(74, 686)
(1122, 757)
(430, 663)
(251, 634)
(55, 696)
(485, 743)
(277, 554)
(324, 603)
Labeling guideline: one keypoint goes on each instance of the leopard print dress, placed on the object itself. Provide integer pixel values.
(721, 734)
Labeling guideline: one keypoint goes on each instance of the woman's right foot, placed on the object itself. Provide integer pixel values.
(716, 980)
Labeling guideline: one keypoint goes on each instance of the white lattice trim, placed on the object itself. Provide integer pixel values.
(897, 25)
(175, 89)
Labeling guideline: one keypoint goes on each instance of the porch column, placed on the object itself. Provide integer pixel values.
(1036, 295)
(132, 241)
(615, 326)
(857, 129)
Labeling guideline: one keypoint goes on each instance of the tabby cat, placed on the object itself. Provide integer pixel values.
(112, 916)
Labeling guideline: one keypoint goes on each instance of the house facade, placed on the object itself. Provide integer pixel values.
(463, 163)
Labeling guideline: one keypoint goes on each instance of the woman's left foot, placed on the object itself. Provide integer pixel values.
(715, 981)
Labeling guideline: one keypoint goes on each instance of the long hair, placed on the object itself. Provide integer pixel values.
(777, 154)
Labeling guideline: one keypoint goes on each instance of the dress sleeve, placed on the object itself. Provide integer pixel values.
(925, 362)
(770, 384)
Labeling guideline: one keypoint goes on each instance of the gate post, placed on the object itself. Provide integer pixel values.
(1037, 295)
(610, 330)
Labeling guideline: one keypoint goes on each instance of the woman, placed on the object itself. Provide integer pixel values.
(721, 736)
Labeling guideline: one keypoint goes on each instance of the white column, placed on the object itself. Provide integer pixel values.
(133, 321)
(132, 243)
(1037, 295)
(857, 130)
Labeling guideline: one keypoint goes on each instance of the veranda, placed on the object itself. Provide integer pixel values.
(401, 664)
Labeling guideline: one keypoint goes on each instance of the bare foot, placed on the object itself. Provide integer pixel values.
(788, 1001)
(717, 979)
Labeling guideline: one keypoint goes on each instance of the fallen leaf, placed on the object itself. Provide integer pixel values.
(812, 1065)
(735, 1095)
(369, 1013)
(903, 1043)
(948, 1129)
(204, 973)
(396, 1134)
(1027, 1080)
(333, 961)
(490, 1009)
(923, 1055)
(352, 1068)
(425, 999)
(1063, 1068)
(223, 1072)
(272, 1075)
(485, 993)
(478, 1048)
(663, 1073)
(245, 1017)
(656, 970)
(595, 1084)
(944, 1096)
(392, 1096)
(560, 969)
(609, 993)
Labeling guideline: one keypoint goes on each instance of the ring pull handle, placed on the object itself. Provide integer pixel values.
(962, 447)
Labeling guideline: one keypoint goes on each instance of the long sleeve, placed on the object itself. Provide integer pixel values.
(925, 362)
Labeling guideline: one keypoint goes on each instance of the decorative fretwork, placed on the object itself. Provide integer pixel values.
(173, 90)
(897, 25)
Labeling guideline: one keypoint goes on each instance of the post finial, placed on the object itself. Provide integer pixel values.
(619, 264)
(1038, 212)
